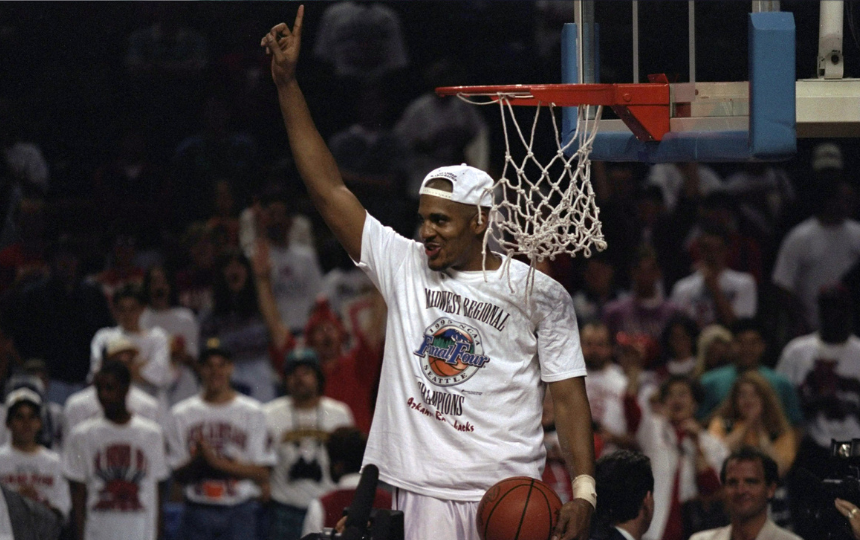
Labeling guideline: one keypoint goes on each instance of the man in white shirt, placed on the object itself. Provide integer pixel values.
(715, 293)
(83, 405)
(473, 345)
(116, 466)
(219, 451)
(749, 477)
(299, 425)
(25, 465)
(605, 383)
(625, 487)
(154, 374)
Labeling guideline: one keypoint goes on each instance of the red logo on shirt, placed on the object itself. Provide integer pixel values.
(122, 468)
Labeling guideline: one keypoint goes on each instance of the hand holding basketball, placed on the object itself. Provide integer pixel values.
(573, 521)
(518, 508)
(284, 47)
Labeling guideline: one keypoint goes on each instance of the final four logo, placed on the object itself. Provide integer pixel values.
(451, 352)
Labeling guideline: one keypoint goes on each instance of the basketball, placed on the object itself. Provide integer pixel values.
(518, 508)
(444, 369)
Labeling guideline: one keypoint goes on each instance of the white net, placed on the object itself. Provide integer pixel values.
(542, 210)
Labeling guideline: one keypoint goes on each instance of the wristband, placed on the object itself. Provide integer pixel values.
(584, 488)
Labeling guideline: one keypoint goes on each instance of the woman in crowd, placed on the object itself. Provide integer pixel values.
(236, 322)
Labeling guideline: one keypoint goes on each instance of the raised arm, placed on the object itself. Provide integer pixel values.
(340, 209)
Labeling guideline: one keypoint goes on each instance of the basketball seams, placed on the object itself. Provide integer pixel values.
(525, 509)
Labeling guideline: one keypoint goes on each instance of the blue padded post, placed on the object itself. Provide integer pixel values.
(773, 131)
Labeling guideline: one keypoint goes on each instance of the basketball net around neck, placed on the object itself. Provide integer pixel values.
(538, 212)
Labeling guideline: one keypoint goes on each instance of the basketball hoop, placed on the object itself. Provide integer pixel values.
(540, 213)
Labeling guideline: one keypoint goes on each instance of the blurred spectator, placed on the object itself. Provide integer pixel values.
(296, 275)
(224, 224)
(685, 459)
(752, 416)
(645, 311)
(372, 158)
(713, 349)
(605, 383)
(352, 375)
(194, 280)
(748, 349)
(683, 181)
(22, 518)
(56, 317)
(122, 269)
(299, 425)
(750, 479)
(24, 261)
(83, 405)
(764, 192)
(151, 368)
(818, 251)
(636, 354)
(361, 40)
(345, 449)
(27, 466)
(116, 465)
(167, 48)
(625, 486)
(598, 289)
(26, 163)
(33, 376)
(439, 131)
(678, 347)
(220, 452)
(130, 191)
(11, 195)
(714, 292)
(743, 250)
(183, 330)
(217, 151)
(825, 368)
(236, 322)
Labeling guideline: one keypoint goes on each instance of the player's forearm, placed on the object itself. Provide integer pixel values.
(573, 423)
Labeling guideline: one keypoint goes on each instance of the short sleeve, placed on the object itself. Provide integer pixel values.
(559, 350)
(383, 253)
(745, 304)
(75, 457)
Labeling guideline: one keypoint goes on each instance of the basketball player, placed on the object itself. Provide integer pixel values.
(468, 352)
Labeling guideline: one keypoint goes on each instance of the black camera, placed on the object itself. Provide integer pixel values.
(820, 515)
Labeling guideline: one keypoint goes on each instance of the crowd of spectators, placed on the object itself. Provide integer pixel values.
(150, 215)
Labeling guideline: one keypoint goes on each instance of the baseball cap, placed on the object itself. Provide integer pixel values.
(22, 395)
(471, 186)
(118, 345)
(826, 156)
(214, 348)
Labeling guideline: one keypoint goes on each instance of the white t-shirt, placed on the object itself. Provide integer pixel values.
(296, 282)
(770, 531)
(41, 470)
(669, 178)
(820, 370)
(121, 466)
(812, 256)
(154, 350)
(84, 405)
(605, 390)
(235, 430)
(451, 430)
(176, 321)
(693, 297)
(300, 434)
